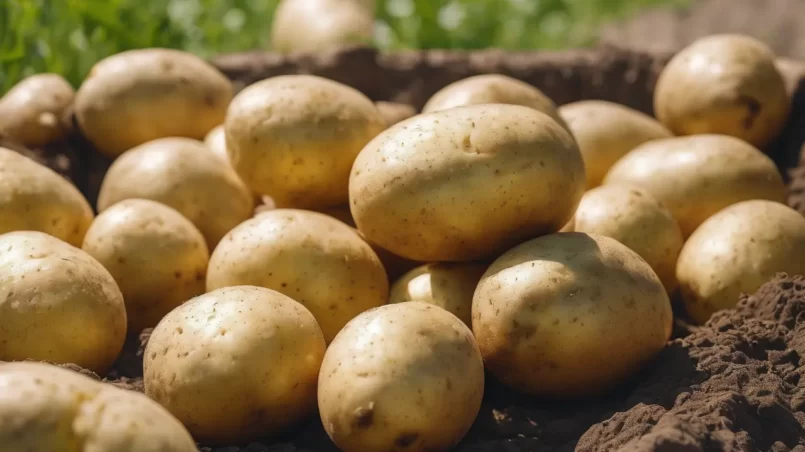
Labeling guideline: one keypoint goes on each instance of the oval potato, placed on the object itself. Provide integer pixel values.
(31, 112)
(319, 25)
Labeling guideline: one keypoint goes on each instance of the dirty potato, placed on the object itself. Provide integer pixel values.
(32, 112)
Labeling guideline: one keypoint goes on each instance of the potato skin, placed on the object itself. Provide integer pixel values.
(216, 142)
(696, 176)
(319, 25)
(550, 310)
(31, 111)
(737, 250)
(252, 352)
(35, 198)
(406, 376)
(726, 84)
(140, 95)
(467, 183)
(57, 304)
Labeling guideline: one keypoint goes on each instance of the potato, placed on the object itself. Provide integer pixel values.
(295, 137)
(318, 25)
(216, 142)
(695, 177)
(48, 408)
(141, 95)
(57, 304)
(311, 257)
(31, 112)
(35, 198)
(737, 250)
(157, 257)
(606, 131)
(633, 217)
(570, 226)
(183, 174)
(407, 376)
(235, 363)
(393, 112)
(724, 84)
(793, 71)
(569, 315)
(466, 183)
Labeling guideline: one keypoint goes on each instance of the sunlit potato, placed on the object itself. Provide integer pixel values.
(32, 111)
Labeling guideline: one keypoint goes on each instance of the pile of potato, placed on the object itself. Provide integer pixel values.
(299, 248)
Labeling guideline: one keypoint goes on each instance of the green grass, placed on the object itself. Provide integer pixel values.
(69, 36)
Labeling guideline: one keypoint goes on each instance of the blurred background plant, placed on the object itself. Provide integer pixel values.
(69, 36)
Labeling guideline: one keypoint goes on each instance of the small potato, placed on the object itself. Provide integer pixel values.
(466, 183)
(606, 131)
(235, 363)
(140, 95)
(633, 217)
(319, 25)
(295, 138)
(724, 84)
(183, 174)
(31, 112)
(695, 177)
(35, 198)
(737, 250)
(57, 304)
(407, 376)
(157, 257)
(394, 112)
(569, 315)
(313, 258)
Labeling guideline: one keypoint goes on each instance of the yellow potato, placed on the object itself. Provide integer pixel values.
(606, 131)
(35, 198)
(31, 112)
(295, 137)
(725, 84)
(737, 250)
(407, 376)
(57, 304)
(393, 112)
(253, 353)
(466, 183)
(696, 176)
(141, 95)
(569, 315)
(183, 174)
(216, 142)
(318, 25)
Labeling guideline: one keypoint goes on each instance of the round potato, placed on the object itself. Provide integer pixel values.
(737, 250)
(295, 138)
(317, 25)
(695, 177)
(35, 198)
(313, 258)
(550, 310)
(157, 257)
(394, 112)
(466, 183)
(47, 408)
(793, 72)
(31, 112)
(216, 142)
(407, 376)
(606, 131)
(57, 304)
(140, 95)
(725, 84)
(183, 174)
(252, 352)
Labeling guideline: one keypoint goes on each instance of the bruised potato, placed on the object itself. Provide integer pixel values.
(407, 376)
(317, 25)
(393, 112)
(724, 84)
(141, 95)
(31, 112)
(696, 176)
(551, 309)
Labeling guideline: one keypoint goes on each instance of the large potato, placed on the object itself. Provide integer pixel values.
(317, 25)
(737, 250)
(157, 257)
(695, 177)
(183, 174)
(235, 363)
(47, 408)
(141, 95)
(31, 112)
(407, 376)
(57, 304)
(466, 183)
(569, 315)
(725, 84)
(311, 257)
(295, 138)
(35, 198)
(606, 131)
